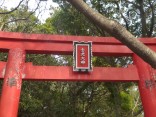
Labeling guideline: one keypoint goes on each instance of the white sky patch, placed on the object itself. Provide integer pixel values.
(42, 13)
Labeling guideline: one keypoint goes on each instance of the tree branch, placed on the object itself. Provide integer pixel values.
(143, 18)
(152, 20)
(89, 102)
(136, 104)
(19, 19)
(2, 3)
(127, 27)
(116, 30)
(8, 12)
(138, 112)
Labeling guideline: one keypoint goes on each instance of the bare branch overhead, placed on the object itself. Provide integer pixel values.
(8, 12)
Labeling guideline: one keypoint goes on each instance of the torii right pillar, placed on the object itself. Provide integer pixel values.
(147, 87)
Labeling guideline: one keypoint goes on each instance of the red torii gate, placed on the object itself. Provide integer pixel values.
(15, 69)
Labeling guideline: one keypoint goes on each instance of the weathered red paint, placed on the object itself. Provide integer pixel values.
(53, 44)
(67, 38)
(147, 87)
(86, 56)
(12, 83)
(54, 73)
(44, 43)
(51, 47)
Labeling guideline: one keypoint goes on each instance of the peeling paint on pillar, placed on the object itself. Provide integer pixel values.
(12, 83)
(147, 87)
(16, 69)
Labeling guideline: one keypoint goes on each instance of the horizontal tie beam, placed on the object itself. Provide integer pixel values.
(65, 73)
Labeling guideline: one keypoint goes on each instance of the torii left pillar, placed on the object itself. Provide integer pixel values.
(12, 83)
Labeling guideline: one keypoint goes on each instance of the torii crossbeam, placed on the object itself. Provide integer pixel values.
(15, 69)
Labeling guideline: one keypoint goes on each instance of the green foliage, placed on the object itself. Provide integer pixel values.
(21, 20)
(43, 59)
(127, 102)
(3, 56)
(76, 99)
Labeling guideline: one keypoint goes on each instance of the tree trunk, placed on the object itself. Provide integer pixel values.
(116, 30)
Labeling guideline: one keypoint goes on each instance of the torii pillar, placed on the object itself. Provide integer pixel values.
(147, 87)
(12, 83)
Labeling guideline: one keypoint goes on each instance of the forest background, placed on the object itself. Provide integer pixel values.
(79, 99)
